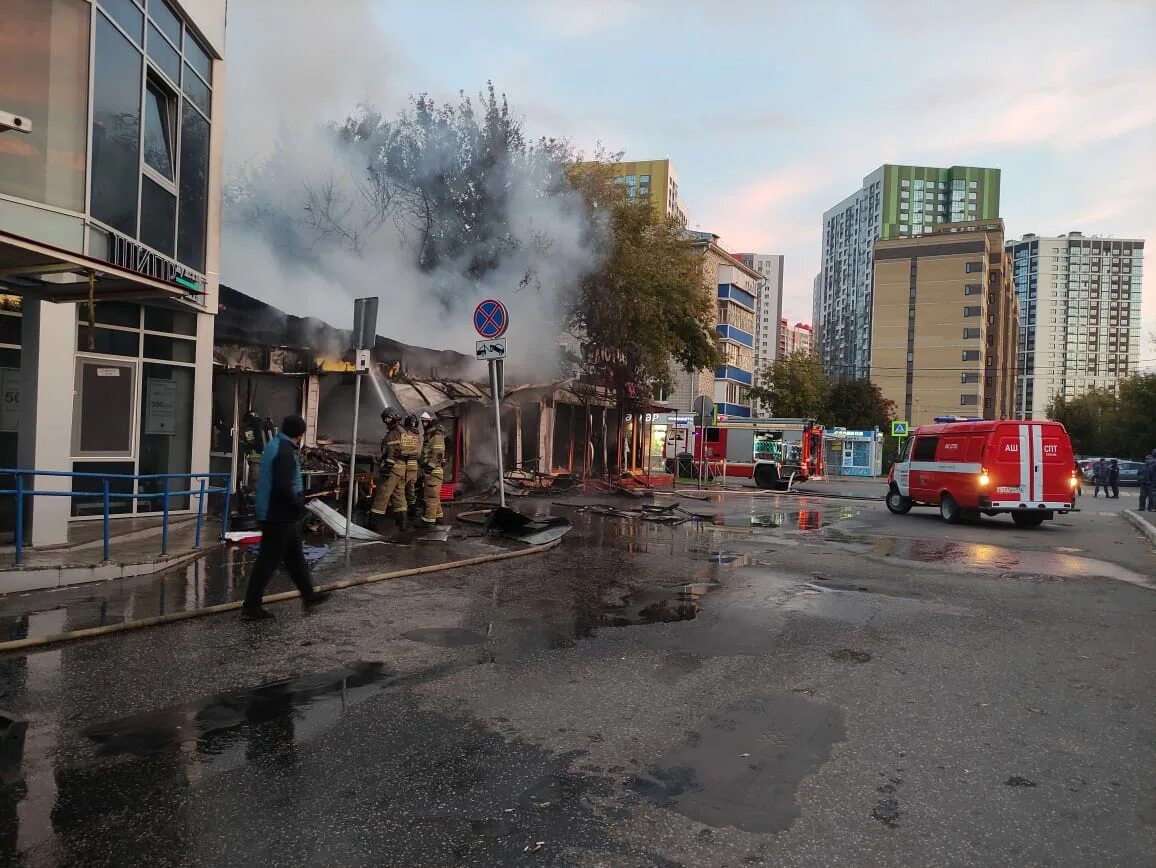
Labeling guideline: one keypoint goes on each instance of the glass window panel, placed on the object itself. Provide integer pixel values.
(196, 91)
(193, 189)
(10, 330)
(115, 129)
(198, 58)
(158, 217)
(164, 55)
(166, 432)
(92, 490)
(166, 20)
(44, 77)
(170, 349)
(163, 319)
(127, 14)
(160, 129)
(108, 342)
(118, 313)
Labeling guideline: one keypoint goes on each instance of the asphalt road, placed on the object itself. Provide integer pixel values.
(803, 681)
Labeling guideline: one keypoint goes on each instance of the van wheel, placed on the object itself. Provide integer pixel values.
(949, 509)
(897, 503)
(1028, 519)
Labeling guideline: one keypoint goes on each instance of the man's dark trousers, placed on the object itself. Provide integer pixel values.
(281, 543)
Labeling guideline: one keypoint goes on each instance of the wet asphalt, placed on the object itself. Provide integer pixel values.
(793, 681)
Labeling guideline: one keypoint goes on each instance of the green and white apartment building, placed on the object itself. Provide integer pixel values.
(894, 202)
(110, 190)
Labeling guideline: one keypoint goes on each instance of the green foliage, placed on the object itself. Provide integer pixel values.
(1102, 423)
(793, 387)
(858, 405)
(647, 305)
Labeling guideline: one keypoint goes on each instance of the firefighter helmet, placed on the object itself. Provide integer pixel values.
(411, 422)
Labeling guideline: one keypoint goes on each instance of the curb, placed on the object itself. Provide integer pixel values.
(173, 617)
(1142, 524)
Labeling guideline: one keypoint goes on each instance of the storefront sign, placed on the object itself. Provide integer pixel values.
(161, 406)
(128, 254)
(9, 399)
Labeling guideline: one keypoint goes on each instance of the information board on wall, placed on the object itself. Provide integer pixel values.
(161, 406)
(9, 399)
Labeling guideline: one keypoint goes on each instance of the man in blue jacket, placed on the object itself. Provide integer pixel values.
(280, 509)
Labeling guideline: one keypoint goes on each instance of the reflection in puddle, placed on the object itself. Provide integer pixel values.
(294, 707)
(656, 606)
(1002, 560)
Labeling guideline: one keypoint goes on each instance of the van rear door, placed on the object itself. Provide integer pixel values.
(1010, 463)
(1056, 461)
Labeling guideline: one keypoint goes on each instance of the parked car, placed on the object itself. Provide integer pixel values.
(1129, 470)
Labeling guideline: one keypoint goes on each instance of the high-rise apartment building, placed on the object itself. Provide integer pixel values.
(1080, 322)
(768, 306)
(894, 202)
(734, 287)
(654, 180)
(945, 323)
(797, 338)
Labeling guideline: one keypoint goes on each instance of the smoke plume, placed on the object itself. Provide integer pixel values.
(306, 230)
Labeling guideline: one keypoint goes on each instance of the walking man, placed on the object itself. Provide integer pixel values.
(1114, 479)
(280, 509)
(1079, 480)
(1100, 477)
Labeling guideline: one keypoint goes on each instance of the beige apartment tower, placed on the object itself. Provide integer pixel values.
(945, 323)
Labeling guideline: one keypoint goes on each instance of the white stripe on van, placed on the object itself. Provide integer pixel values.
(1025, 479)
(1037, 462)
(946, 466)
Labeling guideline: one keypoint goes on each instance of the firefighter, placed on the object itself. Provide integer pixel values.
(390, 494)
(433, 461)
(411, 452)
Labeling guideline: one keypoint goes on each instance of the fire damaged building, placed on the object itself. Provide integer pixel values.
(268, 364)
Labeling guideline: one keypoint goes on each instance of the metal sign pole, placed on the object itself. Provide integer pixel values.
(496, 393)
(352, 460)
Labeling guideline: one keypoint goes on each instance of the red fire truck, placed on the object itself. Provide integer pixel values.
(968, 467)
(767, 450)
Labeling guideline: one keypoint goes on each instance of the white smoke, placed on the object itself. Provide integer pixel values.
(279, 151)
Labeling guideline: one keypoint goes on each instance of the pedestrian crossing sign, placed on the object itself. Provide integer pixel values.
(899, 429)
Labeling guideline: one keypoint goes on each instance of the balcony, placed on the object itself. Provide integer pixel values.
(737, 375)
(731, 292)
(732, 333)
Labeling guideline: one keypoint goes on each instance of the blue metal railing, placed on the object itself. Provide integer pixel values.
(204, 487)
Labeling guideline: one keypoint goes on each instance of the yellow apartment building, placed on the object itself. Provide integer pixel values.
(945, 323)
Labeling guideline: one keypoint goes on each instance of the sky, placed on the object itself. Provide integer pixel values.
(772, 112)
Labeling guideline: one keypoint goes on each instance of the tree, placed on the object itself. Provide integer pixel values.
(1137, 415)
(793, 387)
(858, 405)
(456, 182)
(1092, 420)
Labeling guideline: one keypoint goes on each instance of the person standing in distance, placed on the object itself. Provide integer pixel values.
(280, 508)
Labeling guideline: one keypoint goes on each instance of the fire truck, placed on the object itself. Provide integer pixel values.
(769, 451)
(970, 466)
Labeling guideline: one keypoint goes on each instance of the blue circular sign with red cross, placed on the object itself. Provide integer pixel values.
(491, 318)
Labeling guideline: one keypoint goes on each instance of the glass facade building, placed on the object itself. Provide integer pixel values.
(109, 228)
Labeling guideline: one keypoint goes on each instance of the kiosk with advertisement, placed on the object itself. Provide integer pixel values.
(853, 453)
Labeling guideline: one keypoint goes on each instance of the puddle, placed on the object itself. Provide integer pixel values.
(743, 764)
(445, 637)
(656, 606)
(1008, 562)
(295, 707)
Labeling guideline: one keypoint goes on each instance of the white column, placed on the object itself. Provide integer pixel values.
(203, 396)
(47, 383)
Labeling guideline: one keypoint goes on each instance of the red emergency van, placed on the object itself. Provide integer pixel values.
(986, 466)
